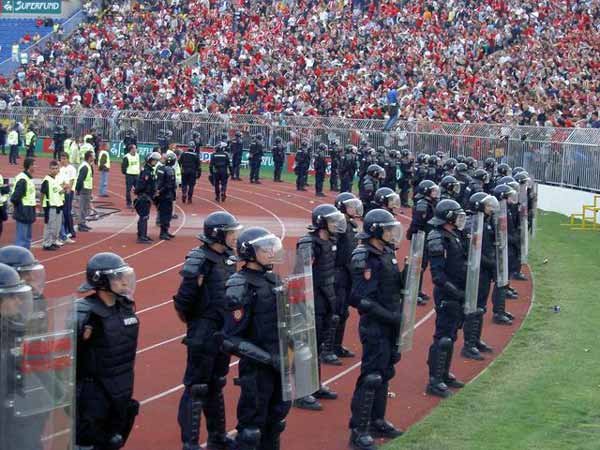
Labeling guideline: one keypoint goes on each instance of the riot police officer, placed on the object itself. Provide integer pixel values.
(432, 169)
(352, 208)
(376, 293)
(447, 249)
(255, 153)
(449, 188)
(278, 152)
(320, 166)
(389, 165)
(220, 170)
(420, 172)
(129, 137)
(164, 140)
(348, 168)
(502, 170)
(368, 158)
(407, 170)
(236, 148)
(369, 185)
(473, 326)
(145, 190)
(462, 176)
(479, 181)
(107, 333)
(448, 167)
(200, 303)
(33, 274)
(166, 191)
(326, 224)
(423, 211)
(471, 165)
(335, 156)
(59, 136)
(191, 170)
(251, 332)
(302, 160)
(385, 198)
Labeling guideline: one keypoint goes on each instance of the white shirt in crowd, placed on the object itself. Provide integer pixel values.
(67, 174)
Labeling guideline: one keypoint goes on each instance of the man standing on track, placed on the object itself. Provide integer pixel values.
(145, 189)
(84, 187)
(23, 200)
(191, 170)
(104, 168)
(200, 304)
(220, 169)
(67, 176)
(302, 159)
(256, 153)
(166, 191)
(130, 167)
(236, 148)
(278, 152)
(320, 166)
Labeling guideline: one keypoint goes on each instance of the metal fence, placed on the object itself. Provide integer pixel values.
(562, 156)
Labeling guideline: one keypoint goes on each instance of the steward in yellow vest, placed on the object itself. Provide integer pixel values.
(23, 194)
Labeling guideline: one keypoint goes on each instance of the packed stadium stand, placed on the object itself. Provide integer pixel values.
(14, 30)
(501, 61)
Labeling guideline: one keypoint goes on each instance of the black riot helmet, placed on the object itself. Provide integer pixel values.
(471, 162)
(405, 153)
(107, 271)
(347, 203)
(257, 244)
(16, 300)
(517, 170)
(510, 181)
(154, 156)
(278, 140)
(461, 159)
(490, 164)
(322, 147)
(481, 175)
(238, 134)
(450, 164)
(503, 169)
(505, 192)
(386, 198)
(428, 188)
(382, 225)
(522, 177)
(216, 227)
(376, 171)
(328, 217)
(29, 269)
(433, 161)
(170, 158)
(381, 149)
(461, 168)
(482, 202)
(422, 158)
(449, 211)
(450, 185)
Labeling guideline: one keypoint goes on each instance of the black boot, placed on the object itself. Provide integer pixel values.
(214, 411)
(482, 346)
(309, 402)
(324, 393)
(449, 377)
(438, 353)
(164, 233)
(362, 407)
(470, 329)
(499, 299)
(339, 349)
(327, 354)
(380, 427)
(271, 438)
(198, 393)
(248, 439)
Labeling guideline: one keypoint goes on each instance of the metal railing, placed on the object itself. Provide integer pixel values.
(562, 156)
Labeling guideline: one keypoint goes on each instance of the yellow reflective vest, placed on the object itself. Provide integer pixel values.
(30, 138)
(3, 198)
(88, 183)
(56, 196)
(133, 164)
(13, 138)
(29, 197)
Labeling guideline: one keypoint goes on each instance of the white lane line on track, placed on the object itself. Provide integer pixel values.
(326, 382)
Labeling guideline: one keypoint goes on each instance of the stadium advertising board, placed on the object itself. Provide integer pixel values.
(31, 7)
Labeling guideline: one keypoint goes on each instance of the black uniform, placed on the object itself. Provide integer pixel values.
(514, 239)
(105, 371)
(301, 168)
(203, 309)
(145, 190)
(487, 271)
(255, 155)
(236, 148)
(278, 152)
(261, 410)
(166, 191)
(335, 156)
(58, 137)
(389, 165)
(448, 254)
(346, 243)
(220, 169)
(422, 213)
(377, 279)
(191, 170)
(420, 175)
(347, 172)
(407, 172)
(366, 191)
(320, 165)
(465, 180)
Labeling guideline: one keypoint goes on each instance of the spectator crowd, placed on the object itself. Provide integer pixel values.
(502, 61)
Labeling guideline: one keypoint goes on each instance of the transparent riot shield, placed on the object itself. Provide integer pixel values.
(37, 380)
(296, 326)
(524, 222)
(411, 292)
(533, 212)
(474, 263)
(501, 225)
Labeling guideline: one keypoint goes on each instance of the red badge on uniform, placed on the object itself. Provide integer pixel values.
(367, 274)
(238, 315)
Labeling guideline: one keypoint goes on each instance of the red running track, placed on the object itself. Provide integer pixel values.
(161, 357)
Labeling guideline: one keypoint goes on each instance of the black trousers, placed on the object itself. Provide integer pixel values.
(13, 154)
(220, 180)
(277, 170)
(142, 207)
(319, 180)
(346, 184)
(236, 162)
(130, 182)
(165, 212)
(188, 184)
(255, 169)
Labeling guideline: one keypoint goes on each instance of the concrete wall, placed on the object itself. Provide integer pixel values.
(563, 200)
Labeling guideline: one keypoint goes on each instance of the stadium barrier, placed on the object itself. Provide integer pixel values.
(567, 157)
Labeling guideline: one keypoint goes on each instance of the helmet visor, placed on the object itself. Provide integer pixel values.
(513, 197)
(461, 220)
(336, 222)
(514, 185)
(34, 276)
(16, 304)
(393, 202)
(268, 249)
(122, 281)
(392, 232)
(434, 192)
(354, 207)
(491, 205)
(454, 188)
